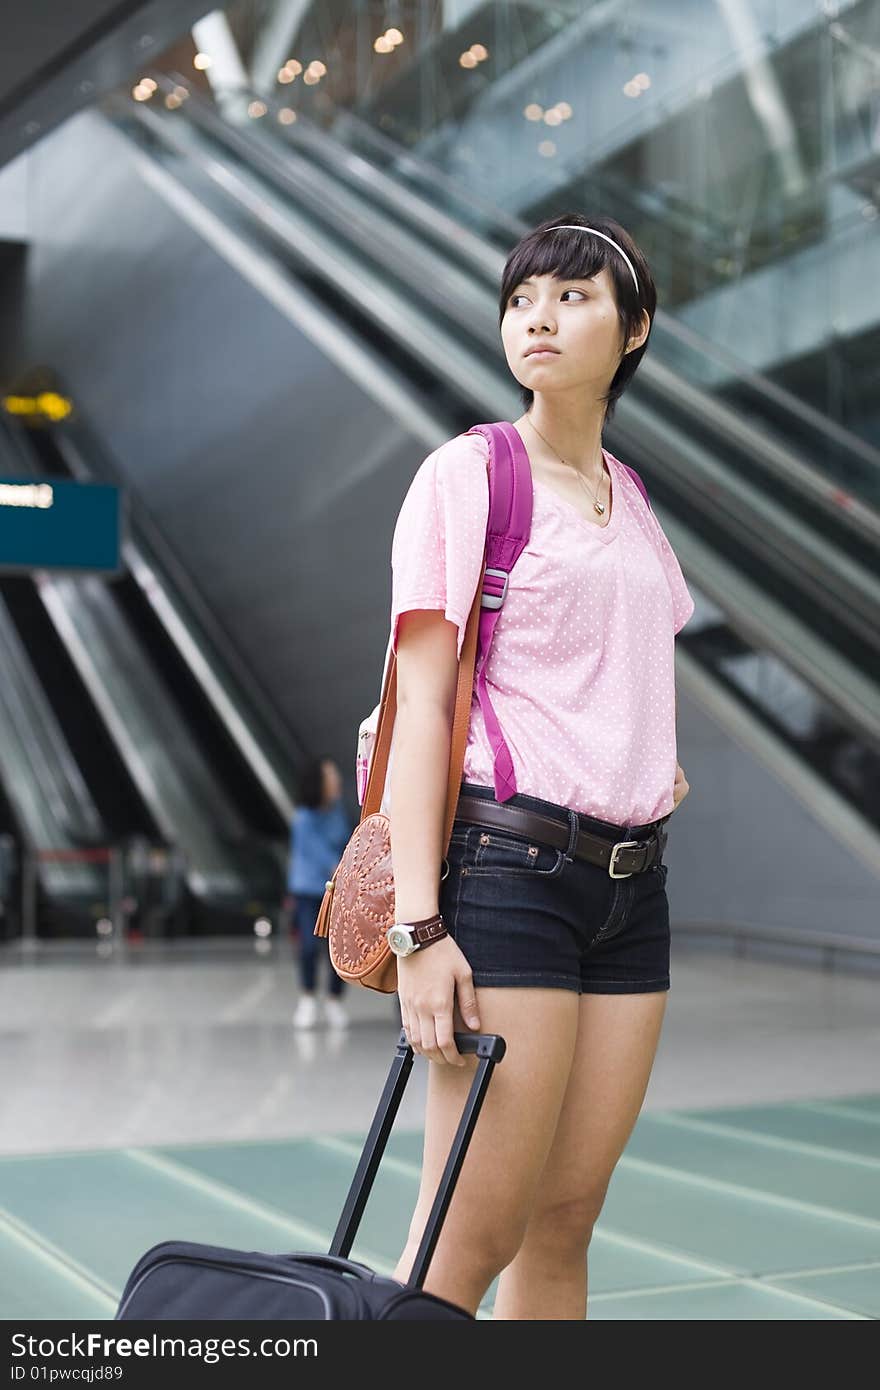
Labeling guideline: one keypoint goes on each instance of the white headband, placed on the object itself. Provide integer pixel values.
(571, 227)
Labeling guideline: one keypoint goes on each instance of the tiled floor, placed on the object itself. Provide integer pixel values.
(169, 1098)
(744, 1213)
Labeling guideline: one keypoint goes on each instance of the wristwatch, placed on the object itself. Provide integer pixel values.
(406, 937)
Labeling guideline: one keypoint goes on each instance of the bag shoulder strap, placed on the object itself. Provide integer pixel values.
(507, 530)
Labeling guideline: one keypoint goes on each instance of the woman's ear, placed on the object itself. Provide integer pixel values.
(640, 334)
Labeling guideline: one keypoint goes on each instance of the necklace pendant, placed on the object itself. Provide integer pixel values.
(599, 507)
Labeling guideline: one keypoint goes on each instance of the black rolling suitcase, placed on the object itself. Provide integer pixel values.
(183, 1281)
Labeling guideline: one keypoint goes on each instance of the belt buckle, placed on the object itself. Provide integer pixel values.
(621, 844)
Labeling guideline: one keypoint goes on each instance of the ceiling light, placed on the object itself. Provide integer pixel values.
(479, 51)
(393, 36)
(286, 116)
(547, 149)
(256, 109)
(534, 112)
(285, 75)
(202, 61)
(467, 60)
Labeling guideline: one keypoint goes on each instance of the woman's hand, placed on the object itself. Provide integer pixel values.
(681, 787)
(427, 982)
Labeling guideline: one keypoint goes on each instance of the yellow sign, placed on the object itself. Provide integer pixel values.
(48, 404)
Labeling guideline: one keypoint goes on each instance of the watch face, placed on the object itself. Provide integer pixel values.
(399, 941)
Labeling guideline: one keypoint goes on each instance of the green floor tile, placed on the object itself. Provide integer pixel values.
(106, 1209)
(858, 1289)
(292, 1175)
(407, 1144)
(307, 1180)
(742, 1233)
(868, 1104)
(667, 1211)
(614, 1267)
(830, 1130)
(721, 1303)
(844, 1185)
(35, 1285)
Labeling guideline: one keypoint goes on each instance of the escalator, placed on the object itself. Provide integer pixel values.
(771, 507)
(10, 881)
(120, 809)
(258, 815)
(150, 754)
(56, 827)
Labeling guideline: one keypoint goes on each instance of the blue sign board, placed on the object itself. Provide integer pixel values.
(53, 524)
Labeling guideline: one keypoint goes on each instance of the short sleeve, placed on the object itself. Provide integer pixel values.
(439, 540)
(682, 603)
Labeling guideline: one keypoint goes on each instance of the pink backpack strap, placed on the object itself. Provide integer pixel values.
(507, 531)
(638, 482)
(508, 528)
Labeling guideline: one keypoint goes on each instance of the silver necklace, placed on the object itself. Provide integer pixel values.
(597, 505)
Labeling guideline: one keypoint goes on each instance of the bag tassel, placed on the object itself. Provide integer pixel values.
(322, 925)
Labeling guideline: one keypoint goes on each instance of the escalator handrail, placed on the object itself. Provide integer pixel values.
(771, 452)
(501, 388)
(147, 553)
(779, 396)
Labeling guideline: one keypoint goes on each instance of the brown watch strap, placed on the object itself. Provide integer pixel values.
(423, 933)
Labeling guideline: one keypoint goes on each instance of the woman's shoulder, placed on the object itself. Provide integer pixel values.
(458, 460)
(451, 481)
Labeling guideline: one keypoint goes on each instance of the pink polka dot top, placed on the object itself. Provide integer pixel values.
(581, 669)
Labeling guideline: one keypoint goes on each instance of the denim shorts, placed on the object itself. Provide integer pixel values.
(524, 913)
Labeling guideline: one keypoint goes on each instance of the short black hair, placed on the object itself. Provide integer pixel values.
(311, 784)
(569, 256)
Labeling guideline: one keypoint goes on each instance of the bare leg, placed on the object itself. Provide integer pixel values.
(489, 1210)
(616, 1044)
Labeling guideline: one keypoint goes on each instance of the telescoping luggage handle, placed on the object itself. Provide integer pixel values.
(489, 1048)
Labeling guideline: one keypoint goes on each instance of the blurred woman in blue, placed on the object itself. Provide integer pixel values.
(319, 832)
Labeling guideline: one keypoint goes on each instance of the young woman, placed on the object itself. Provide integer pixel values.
(318, 834)
(554, 938)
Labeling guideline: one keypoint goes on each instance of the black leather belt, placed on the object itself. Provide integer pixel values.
(621, 859)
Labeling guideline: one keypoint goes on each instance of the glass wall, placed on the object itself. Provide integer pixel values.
(738, 140)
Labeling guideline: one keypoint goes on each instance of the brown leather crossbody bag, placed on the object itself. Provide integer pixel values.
(358, 904)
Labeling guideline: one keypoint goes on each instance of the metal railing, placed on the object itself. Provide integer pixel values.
(130, 890)
(828, 945)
